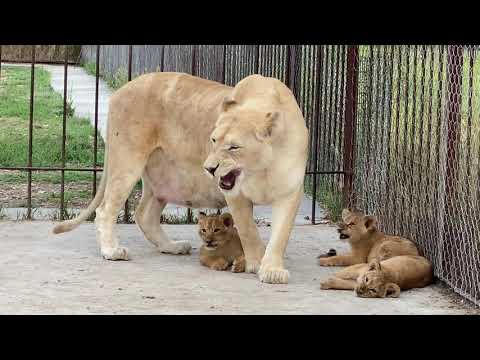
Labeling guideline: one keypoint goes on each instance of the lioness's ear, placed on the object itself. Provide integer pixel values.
(270, 125)
(227, 219)
(227, 103)
(374, 265)
(370, 222)
(345, 213)
(392, 290)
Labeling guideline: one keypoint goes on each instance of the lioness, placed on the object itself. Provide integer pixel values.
(383, 279)
(169, 129)
(367, 242)
(221, 244)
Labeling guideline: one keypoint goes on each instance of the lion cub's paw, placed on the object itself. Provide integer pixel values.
(238, 265)
(273, 275)
(325, 262)
(118, 253)
(177, 248)
(219, 265)
(326, 285)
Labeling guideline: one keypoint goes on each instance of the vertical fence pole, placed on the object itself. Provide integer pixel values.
(315, 131)
(126, 218)
(454, 102)
(224, 64)
(97, 77)
(349, 124)
(194, 73)
(64, 133)
(30, 136)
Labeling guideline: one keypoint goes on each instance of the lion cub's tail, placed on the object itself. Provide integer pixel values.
(69, 225)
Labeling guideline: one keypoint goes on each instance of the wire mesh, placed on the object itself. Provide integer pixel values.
(417, 151)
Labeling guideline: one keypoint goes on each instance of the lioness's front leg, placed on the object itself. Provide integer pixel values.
(283, 216)
(242, 212)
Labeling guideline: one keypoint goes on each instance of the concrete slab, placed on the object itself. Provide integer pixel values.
(64, 274)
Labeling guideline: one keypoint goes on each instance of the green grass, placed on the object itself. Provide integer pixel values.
(115, 81)
(47, 127)
(330, 198)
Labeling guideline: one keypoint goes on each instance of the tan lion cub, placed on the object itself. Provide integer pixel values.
(383, 279)
(367, 242)
(221, 244)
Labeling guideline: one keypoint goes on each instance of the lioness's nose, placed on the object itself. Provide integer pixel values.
(212, 170)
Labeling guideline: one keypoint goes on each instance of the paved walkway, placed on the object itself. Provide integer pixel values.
(64, 274)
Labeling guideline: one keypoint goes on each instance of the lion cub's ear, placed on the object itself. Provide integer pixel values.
(227, 219)
(345, 213)
(271, 125)
(370, 222)
(227, 103)
(392, 290)
(201, 215)
(374, 265)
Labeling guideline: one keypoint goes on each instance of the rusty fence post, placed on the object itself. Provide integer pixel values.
(454, 102)
(349, 124)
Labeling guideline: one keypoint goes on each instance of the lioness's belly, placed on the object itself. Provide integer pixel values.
(177, 180)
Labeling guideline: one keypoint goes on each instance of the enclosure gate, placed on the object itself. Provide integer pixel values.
(403, 119)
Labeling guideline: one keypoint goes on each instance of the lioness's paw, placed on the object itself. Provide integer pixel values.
(118, 253)
(177, 248)
(252, 266)
(273, 275)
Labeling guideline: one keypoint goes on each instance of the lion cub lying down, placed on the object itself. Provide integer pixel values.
(221, 244)
(383, 279)
(367, 242)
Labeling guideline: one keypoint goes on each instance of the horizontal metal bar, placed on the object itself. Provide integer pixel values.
(35, 168)
(326, 172)
(39, 62)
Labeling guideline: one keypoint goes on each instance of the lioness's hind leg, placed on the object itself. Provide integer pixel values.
(147, 217)
(116, 192)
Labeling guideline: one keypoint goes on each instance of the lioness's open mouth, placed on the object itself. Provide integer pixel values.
(227, 182)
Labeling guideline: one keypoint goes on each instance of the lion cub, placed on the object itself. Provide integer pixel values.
(367, 242)
(383, 279)
(221, 244)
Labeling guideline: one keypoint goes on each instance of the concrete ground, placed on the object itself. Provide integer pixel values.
(64, 274)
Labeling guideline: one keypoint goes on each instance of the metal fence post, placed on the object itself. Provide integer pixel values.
(349, 124)
(454, 103)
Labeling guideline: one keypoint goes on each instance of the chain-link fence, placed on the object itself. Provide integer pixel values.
(417, 152)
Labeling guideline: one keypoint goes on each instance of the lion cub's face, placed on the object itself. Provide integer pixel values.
(214, 230)
(241, 144)
(355, 226)
(373, 283)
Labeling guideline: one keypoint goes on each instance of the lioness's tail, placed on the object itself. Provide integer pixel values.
(69, 225)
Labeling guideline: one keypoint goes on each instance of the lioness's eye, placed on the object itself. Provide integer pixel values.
(233, 147)
(203, 230)
(213, 140)
(216, 230)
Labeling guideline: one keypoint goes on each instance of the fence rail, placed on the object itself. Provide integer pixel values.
(394, 130)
